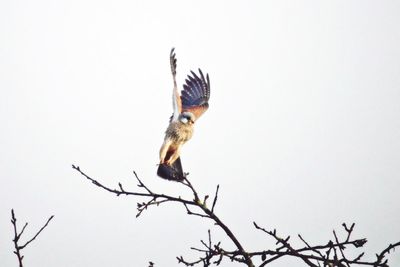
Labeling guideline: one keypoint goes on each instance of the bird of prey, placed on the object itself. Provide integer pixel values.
(188, 107)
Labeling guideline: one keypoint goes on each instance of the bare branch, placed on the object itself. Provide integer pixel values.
(215, 199)
(166, 198)
(17, 236)
(41, 229)
(331, 254)
(381, 256)
(127, 193)
(286, 244)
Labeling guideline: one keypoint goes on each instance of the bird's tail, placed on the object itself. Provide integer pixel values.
(172, 172)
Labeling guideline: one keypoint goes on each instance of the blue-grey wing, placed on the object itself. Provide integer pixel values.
(196, 94)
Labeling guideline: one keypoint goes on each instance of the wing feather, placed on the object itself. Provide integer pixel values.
(195, 94)
(176, 100)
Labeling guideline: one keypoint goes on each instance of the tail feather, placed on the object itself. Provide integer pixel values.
(172, 172)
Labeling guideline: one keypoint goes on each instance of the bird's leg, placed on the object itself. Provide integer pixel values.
(174, 156)
(164, 149)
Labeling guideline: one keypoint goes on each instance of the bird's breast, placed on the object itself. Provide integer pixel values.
(179, 132)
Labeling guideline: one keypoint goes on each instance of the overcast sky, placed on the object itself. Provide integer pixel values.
(302, 133)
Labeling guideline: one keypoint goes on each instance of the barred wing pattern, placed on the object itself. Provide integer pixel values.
(176, 100)
(195, 94)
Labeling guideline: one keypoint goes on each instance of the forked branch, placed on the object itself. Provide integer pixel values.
(332, 254)
(17, 236)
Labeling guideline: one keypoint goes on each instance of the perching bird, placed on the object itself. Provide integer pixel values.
(188, 107)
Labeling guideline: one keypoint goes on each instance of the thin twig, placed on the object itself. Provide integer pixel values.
(215, 199)
(17, 236)
(41, 229)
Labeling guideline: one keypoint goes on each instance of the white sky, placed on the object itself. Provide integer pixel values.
(302, 133)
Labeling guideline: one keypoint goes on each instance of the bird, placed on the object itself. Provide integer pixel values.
(188, 106)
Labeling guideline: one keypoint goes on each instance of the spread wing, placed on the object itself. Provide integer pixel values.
(195, 94)
(176, 100)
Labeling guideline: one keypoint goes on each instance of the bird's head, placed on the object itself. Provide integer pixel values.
(187, 118)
